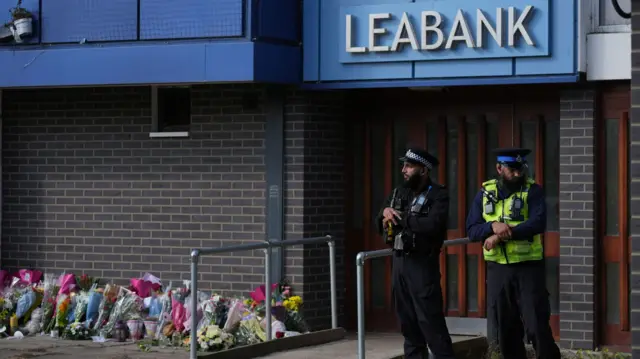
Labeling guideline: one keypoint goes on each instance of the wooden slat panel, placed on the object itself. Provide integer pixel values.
(367, 213)
(614, 249)
(462, 209)
(477, 248)
(623, 218)
(442, 178)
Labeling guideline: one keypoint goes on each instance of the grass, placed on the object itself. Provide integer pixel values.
(493, 353)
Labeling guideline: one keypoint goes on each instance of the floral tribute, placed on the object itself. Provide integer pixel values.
(79, 307)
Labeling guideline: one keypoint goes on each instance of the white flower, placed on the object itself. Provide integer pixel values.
(204, 346)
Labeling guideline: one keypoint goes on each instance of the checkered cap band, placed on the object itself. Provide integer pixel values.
(418, 158)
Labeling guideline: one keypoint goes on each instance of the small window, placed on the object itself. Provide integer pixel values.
(171, 111)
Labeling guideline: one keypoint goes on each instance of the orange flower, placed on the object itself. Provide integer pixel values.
(64, 305)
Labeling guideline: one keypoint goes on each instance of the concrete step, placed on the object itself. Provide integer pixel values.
(378, 346)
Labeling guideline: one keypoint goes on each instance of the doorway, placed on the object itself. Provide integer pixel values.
(461, 135)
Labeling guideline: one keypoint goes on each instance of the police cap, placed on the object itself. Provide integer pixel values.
(512, 157)
(418, 156)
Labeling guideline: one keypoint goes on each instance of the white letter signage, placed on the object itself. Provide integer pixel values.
(409, 32)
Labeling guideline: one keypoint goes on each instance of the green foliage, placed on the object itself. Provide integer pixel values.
(493, 352)
(19, 12)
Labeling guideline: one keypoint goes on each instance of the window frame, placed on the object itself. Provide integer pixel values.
(595, 21)
(614, 104)
(156, 130)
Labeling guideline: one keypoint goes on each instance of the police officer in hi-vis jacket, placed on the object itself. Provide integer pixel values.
(509, 215)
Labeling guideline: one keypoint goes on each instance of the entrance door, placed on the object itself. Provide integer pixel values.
(612, 133)
(461, 136)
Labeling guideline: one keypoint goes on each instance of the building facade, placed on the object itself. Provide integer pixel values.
(138, 133)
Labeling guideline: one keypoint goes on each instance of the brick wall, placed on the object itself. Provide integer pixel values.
(85, 189)
(577, 217)
(315, 139)
(634, 185)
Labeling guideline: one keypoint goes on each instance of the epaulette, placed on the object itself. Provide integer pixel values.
(491, 181)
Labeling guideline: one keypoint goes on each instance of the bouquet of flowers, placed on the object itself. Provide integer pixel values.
(211, 338)
(4, 311)
(178, 311)
(28, 277)
(76, 331)
(85, 282)
(67, 283)
(62, 311)
(82, 300)
(293, 319)
(165, 312)
(127, 307)
(109, 297)
(48, 301)
(93, 305)
(146, 285)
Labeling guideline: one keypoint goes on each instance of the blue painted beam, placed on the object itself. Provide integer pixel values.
(444, 82)
(187, 62)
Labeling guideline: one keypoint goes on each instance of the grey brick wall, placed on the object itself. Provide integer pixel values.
(314, 149)
(86, 189)
(634, 185)
(577, 218)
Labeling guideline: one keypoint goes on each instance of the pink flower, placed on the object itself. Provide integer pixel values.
(259, 295)
(286, 293)
(278, 304)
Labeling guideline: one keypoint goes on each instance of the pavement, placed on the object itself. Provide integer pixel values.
(50, 348)
(378, 346)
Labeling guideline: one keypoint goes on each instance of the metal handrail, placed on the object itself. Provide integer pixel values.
(360, 260)
(266, 246)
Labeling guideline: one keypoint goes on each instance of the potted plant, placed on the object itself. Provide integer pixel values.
(21, 21)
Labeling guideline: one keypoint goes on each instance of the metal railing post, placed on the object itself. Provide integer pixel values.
(267, 290)
(267, 247)
(332, 273)
(360, 289)
(195, 259)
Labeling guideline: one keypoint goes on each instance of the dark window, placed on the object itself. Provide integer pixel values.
(174, 109)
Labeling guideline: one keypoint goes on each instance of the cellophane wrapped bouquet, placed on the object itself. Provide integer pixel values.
(107, 302)
(50, 291)
(127, 307)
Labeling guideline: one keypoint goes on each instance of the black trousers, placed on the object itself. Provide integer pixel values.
(418, 301)
(518, 303)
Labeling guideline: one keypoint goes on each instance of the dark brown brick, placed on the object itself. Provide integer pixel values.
(577, 203)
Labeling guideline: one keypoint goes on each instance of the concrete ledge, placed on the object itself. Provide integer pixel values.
(472, 348)
(278, 345)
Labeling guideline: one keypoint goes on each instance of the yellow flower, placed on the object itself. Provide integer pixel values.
(293, 303)
(213, 331)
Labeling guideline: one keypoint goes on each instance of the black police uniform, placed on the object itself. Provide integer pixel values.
(517, 297)
(416, 269)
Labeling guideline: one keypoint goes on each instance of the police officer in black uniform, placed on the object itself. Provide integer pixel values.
(508, 216)
(414, 221)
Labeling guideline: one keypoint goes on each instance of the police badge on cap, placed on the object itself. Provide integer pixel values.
(512, 157)
(420, 157)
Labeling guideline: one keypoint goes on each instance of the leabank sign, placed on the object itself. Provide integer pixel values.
(449, 29)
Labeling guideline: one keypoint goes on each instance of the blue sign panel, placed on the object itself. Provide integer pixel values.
(441, 30)
(369, 43)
